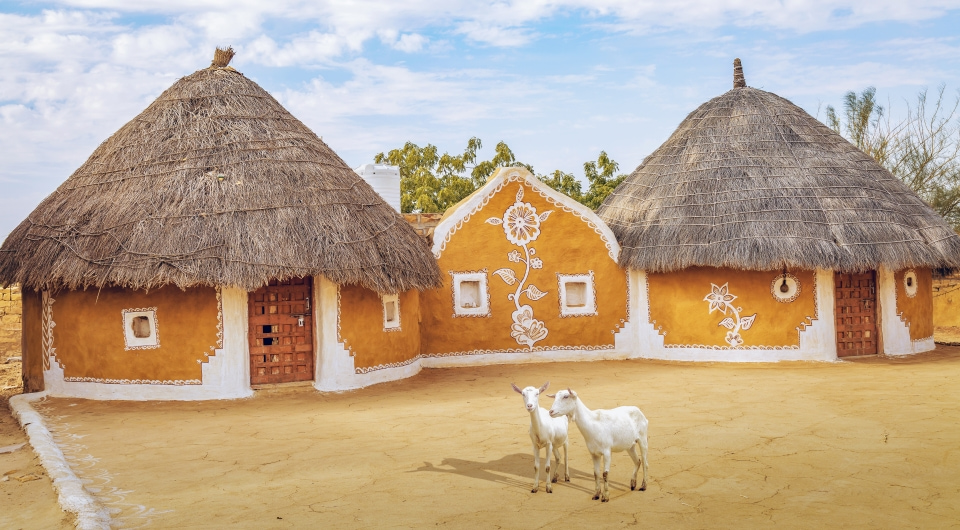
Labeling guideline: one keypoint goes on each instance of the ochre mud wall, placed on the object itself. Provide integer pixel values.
(562, 243)
(916, 311)
(361, 330)
(680, 307)
(89, 334)
(946, 302)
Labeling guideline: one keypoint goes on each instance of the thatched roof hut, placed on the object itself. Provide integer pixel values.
(215, 183)
(751, 181)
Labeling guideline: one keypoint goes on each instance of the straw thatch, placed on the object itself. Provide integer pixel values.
(751, 181)
(215, 183)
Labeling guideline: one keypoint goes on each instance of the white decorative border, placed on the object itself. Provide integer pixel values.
(384, 300)
(481, 352)
(590, 308)
(473, 312)
(47, 325)
(803, 325)
(459, 217)
(132, 381)
(787, 297)
(127, 315)
(219, 319)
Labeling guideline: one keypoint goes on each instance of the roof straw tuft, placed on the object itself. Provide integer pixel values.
(215, 183)
(222, 57)
(750, 181)
(738, 79)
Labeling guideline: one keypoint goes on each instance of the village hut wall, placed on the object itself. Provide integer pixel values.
(946, 301)
(379, 330)
(31, 340)
(516, 310)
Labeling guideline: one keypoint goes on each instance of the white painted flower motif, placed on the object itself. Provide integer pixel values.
(719, 298)
(536, 263)
(526, 329)
(521, 223)
(734, 339)
(515, 256)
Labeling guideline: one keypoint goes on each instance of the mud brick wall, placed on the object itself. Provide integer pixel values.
(11, 315)
(424, 223)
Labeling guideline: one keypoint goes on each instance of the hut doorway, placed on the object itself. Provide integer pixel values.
(281, 332)
(856, 313)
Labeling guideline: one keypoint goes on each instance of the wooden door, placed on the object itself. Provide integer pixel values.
(856, 314)
(281, 332)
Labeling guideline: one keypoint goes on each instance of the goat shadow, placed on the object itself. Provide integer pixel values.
(509, 469)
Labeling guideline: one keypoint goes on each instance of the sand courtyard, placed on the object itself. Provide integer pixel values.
(873, 443)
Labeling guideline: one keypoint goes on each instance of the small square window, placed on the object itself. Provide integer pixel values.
(470, 295)
(140, 329)
(577, 296)
(391, 312)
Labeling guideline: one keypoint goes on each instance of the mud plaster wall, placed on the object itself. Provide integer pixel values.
(361, 329)
(916, 312)
(32, 341)
(89, 334)
(679, 312)
(946, 302)
(11, 311)
(565, 244)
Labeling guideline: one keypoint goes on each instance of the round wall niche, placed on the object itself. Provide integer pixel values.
(910, 283)
(785, 287)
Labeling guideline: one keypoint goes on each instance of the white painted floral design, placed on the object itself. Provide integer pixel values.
(720, 299)
(521, 224)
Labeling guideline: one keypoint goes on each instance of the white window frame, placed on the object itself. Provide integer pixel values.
(132, 342)
(483, 310)
(590, 307)
(387, 299)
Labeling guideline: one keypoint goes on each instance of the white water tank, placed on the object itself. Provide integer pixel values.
(385, 181)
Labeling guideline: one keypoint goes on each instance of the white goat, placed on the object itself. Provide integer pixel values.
(546, 432)
(619, 429)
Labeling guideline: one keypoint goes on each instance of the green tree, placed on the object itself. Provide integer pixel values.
(600, 175)
(565, 183)
(922, 150)
(431, 182)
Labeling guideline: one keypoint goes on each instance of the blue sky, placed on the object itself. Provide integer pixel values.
(558, 80)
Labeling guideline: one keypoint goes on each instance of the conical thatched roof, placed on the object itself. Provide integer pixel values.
(215, 183)
(751, 181)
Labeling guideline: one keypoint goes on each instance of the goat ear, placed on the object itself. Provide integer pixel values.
(551, 395)
(544, 387)
(516, 388)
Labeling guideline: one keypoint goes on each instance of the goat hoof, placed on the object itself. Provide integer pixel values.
(605, 499)
(566, 478)
(554, 479)
(534, 490)
(597, 496)
(633, 484)
(643, 487)
(550, 490)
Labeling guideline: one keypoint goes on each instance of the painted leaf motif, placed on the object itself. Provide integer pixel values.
(495, 221)
(746, 322)
(533, 293)
(520, 194)
(507, 275)
(544, 215)
(727, 323)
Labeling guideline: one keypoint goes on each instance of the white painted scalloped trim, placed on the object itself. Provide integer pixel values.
(459, 217)
(71, 495)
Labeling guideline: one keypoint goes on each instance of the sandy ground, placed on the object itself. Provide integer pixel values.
(26, 492)
(947, 335)
(872, 443)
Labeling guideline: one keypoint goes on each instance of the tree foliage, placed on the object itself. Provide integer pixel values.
(922, 150)
(431, 182)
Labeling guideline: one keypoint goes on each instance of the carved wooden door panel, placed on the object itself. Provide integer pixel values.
(281, 332)
(856, 314)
